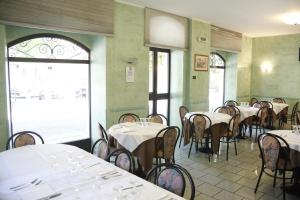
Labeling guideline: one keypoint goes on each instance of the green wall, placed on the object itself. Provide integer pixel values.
(197, 89)
(3, 98)
(127, 43)
(283, 81)
(244, 70)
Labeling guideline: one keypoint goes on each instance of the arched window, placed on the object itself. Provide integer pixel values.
(216, 80)
(49, 78)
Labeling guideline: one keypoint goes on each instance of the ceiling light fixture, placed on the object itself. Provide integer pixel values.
(292, 18)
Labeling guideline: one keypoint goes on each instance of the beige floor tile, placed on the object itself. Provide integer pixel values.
(224, 195)
(230, 176)
(229, 186)
(208, 189)
(248, 193)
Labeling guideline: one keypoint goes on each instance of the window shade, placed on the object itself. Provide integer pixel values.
(225, 39)
(92, 16)
(165, 30)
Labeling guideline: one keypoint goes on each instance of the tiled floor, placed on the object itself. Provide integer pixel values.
(232, 179)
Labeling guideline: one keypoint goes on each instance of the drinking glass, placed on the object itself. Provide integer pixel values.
(295, 129)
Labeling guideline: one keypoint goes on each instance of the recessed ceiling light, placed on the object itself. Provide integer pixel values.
(292, 18)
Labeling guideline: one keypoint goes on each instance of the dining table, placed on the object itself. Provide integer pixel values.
(139, 139)
(219, 126)
(65, 172)
(247, 114)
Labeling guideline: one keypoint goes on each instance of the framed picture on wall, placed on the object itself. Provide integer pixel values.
(201, 62)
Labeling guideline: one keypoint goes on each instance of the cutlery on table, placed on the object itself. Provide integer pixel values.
(24, 184)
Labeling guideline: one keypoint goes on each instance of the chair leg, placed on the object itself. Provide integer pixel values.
(190, 148)
(283, 176)
(227, 148)
(196, 147)
(181, 137)
(257, 184)
(275, 176)
(235, 147)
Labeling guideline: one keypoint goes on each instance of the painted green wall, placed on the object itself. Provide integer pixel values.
(244, 70)
(283, 81)
(127, 43)
(197, 96)
(3, 98)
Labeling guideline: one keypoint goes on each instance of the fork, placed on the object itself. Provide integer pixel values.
(30, 184)
(21, 185)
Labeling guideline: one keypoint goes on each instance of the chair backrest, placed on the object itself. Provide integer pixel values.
(256, 105)
(253, 101)
(278, 100)
(298, 118)
(234, 125)
(166, 140)
(233, 110)
(263, 114)
(23, 138)
(182, 111)
(123, 159)
(100, 148)
(294, 113)
(270, 147)
(222, 109)
(172, 178)
(129, 117)
(231, 103)
(102, 132)
(199, 124)
(267, 104)
(158, 118)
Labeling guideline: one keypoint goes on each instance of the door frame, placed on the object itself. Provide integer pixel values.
(154, 96)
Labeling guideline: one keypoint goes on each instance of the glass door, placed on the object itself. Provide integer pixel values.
(159, 81)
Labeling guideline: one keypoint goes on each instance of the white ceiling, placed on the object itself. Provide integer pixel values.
(254, 18)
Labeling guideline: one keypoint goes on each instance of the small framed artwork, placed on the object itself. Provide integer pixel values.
(201, 62)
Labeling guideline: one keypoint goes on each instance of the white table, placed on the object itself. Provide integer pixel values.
(131, 135)
(247, 111)
(215, 118)
(71, 173)
(293, 139)
(278, 107)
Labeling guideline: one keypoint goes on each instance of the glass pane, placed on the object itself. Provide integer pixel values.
(162, 72)
(48, 47)
(50, 99)
(162, 107)
(151, 70)
(215, 60)
(150, 107)
(216, 88)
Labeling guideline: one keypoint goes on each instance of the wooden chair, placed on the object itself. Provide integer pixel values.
(293, 117)
(102, 132)
(222, 109)
(23, 138)
(129, 117)
(122, 158)
(231, 133)
(278, 100)
(231, 103)
(270, 117)
(182, 112)
(172, 177)
(253, 101)
(233, 110)
(275, 156)
(158, 118)
(165, 144)
(101, 148)
(198, 130)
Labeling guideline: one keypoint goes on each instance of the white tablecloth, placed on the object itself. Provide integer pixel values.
(131, 135)
(215, 118)
(70, 173)
(246, 112)
(277, 107)
(293, 139)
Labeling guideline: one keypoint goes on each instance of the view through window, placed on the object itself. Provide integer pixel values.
(49, 87)
(216, 81)
(159, 81)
